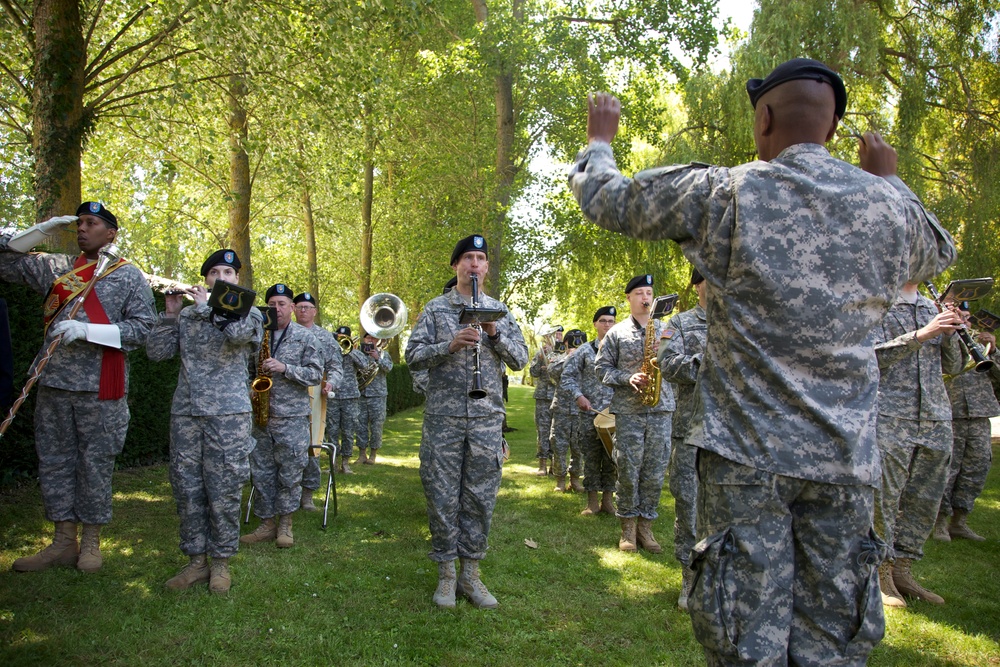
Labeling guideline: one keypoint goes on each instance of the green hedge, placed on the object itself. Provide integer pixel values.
(151, 389)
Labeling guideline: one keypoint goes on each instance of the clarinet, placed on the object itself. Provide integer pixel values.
(477, 390)
(982, 363)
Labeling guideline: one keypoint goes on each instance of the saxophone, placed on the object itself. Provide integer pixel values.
(260, 394)
(650, 396)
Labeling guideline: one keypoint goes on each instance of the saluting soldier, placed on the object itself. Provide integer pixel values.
(344, 409)
(282, 448)
(372, 412)
(81, 410)
(209, 421)
(461, 448)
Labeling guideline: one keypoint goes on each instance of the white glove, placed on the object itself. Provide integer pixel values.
(108, 335)
(29, 238)
(71, 330)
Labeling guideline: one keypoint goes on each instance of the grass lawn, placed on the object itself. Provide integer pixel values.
(360, 593)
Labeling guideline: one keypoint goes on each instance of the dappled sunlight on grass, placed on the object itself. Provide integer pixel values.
(28, 636)
(640, 575)
(142, 496)
(937, 638)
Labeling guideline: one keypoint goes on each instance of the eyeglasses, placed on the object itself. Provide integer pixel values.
(606, 320)
(305, 306)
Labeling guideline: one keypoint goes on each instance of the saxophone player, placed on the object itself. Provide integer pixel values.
(209, 422)
(642, 448)
(282, 448)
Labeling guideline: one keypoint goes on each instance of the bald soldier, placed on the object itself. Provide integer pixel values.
(803, 255)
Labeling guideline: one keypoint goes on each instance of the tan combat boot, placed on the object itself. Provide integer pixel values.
(63, 551)
(470, 585)
(307, 503)
(220, 581)
(542, 470)
(345, 466)
(959, 529)
(285, 531)
(266, 531)
(608, 502)
(371, 457)
(195, 572)
(90, 559)
(627, 541)
(890, 596)
(902, 576)
(575, 483)
(362, 458)
(940, 531)
(560, 484)
(444, 594)
(645, 535)
(593, 504)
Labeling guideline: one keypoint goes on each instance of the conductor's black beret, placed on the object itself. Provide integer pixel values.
(800, 68)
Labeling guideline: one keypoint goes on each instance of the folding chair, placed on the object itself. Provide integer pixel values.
(331, 486)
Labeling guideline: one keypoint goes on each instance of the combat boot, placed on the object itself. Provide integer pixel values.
(607, 502)
(220, 581)
(560, 484)
(307, 500)
(890, 596)
(687, 583)
(941, 529)
(542, 470)
(902, 576)
(371, 457)
(575, 483)
(472, 587)
(266, 531)
(362, 458)
(90, 549)
(627, 541)
(959, 529)
(345, 465)
(645, 535)
(285, 539)
(444, 595)
(593, 504)
(63, 551)
(195, 572)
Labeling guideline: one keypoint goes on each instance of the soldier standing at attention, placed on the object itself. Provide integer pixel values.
(566, 458)
(279, 458)
(372, 402)
(803, 255)
(209, 421)
(305, 307)
(343, 410)
(461, 448)
(81, 411)
(642, 432)
(545, 390)
(680, 354)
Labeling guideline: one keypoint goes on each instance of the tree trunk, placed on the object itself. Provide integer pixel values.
(58, 123)
(311, 257)
(365, 281)
(239, 179)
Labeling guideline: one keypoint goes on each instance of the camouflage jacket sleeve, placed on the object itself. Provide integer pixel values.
(35, 270)
(679, 358)
(606, 364)
(303, 363)
(333, 363)
(932, 249)
(570, 382)
(354, 361)
(164, 338)
(971, 393)
(510, 345)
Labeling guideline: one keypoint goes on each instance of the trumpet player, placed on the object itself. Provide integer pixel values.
(563, 437)
(461, 449)
(209, 421)
(306, 308)
(642, 432)
(372, 412)
(81, 410)
(545, 390)
(282, 444)
(343, 410)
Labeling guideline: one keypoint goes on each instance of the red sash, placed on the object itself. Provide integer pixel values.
(64, 290)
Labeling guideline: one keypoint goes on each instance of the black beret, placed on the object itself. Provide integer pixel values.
(696, 277)
(468, 244)
(278, 289)
(450, 285)
(575, 338)
(305, 296)
(645, 280)
(606, 310)
(800, 68)
(97, 208)
(559, 328)
(224, 256)
(343, 331)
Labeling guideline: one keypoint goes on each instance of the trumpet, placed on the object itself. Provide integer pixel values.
(347, 343)
(260, 396)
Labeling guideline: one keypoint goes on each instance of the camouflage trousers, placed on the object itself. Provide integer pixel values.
(77, 438)
(371, 419)
(460, 467)
(564, 442)
(971, 458)
(642, 449)
(311, 475)
(543, 425)
(276, 464)
(684, 488)
(599, 472)
(913, 481)
(342, 423)
(786, 571)
(209, 464)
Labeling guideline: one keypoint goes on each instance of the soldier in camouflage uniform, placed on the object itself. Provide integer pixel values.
(282, 446)
(803, 255)
(642, 433)
(81, 411)
(344, 408)
(305, 314)
(372, 402)
(579, 380)
(461, 449)
(419, 378)
(563, 437)
(972, 404)
(209, 421)
(680, 353)
(545, 391)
